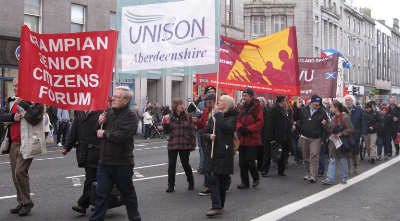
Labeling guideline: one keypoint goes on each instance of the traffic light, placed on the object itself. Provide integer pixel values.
(355, 90)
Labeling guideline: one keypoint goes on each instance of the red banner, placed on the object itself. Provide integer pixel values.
(318, 76)
(70, 71)
(266, 64)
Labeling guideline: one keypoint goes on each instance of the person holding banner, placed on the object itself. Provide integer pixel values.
(118, 126)
(26, 119)
(182, 140)
(249, 125)
(219, 162)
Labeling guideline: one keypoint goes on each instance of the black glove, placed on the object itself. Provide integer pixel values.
(244, 131)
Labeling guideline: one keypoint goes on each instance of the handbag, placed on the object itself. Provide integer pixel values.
(5, 144)
(276, 151)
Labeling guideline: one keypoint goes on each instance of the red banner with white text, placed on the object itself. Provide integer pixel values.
(71, 71)
(267, 64)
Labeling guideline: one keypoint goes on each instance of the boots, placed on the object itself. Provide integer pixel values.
(170, 189)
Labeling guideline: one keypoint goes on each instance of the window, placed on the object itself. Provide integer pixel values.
(279, 22)
(316, 26)
(77, 18)
(32, 12)
(317, 53)
(229, 12)
(113, 21)
(348, 22)
(258, 26)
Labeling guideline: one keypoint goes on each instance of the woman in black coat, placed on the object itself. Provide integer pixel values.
(219, 162)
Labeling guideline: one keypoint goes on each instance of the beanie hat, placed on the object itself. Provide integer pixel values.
(316, 98)
(210, 96)
(249, 91)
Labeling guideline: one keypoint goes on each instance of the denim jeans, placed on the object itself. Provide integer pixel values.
(201, 152)
(332, 168)
(379, 143)
(218, 185)
(322, 154)
(122, 177)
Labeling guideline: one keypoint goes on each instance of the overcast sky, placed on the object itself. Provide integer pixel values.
(381, 9)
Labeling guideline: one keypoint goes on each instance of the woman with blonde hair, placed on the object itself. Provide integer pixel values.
(219, 160)
(181, 130)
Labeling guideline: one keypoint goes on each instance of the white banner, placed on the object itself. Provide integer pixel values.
(168, 35)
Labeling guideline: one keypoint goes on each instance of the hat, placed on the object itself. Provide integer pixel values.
(385, 108)
(368, 105)
(208, 88)
(280, 98)
(210, 96)
(249, 91)
(316, 98)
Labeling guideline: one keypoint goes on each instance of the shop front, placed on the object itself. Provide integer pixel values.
(9, 55)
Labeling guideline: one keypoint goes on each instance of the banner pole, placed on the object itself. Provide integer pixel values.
(216, 101)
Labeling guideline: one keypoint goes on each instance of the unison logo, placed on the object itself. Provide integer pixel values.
(159, 28)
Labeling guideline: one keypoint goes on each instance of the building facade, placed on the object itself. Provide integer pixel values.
(335, 24)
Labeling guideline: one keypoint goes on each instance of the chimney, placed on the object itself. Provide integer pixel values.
(366, 11)
(396, 24)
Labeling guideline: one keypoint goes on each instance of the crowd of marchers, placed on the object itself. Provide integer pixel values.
(318, 134)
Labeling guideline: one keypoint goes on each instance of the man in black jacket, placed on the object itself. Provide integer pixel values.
(278, 135)
(371, 120)
(313, 121)
(116, 163)
(84, 138)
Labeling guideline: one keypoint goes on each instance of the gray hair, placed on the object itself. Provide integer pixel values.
(228, 101)
(262, 99)
(127, 91)
(352, 98)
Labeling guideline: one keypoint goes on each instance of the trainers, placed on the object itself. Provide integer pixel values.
(79, 209)
(25, 209)
(204, 192)
(214, 212)
(326, 182)
(59, 144)
(343, 182)
(242, 186)
(16, 209)
(306, 178)
(312, 179)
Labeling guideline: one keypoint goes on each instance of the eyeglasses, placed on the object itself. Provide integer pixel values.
(118, 97)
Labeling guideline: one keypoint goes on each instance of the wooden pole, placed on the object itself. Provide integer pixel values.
(216, 100)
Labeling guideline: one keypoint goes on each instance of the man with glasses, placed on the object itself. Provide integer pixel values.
(313, 121)
(118, 126)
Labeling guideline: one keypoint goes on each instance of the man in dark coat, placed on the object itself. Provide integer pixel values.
(84, 137)
(312, 123)
(395, 112)
(371, 121)
(248, 126)
(278, 129)
(116, 155)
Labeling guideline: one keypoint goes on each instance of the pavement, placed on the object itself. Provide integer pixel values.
(56, 183)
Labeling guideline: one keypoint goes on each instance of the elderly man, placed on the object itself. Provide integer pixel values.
(26, 118)
(358, 121)
(313, 122)
(118, 125)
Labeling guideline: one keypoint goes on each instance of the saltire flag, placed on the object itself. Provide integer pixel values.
(327, 52)
(267, 64)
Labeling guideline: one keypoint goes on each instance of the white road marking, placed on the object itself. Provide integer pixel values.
(137, 174)
(150, 148)
(140, 145)
(76, 181)
(12, 196)
(298, 205)
(156, 177)
(41, 159)
(136, 168)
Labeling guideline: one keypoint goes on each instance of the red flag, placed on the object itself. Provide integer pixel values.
(267, 64)
(70, 71)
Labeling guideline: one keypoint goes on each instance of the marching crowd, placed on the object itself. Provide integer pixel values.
(259, 131)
